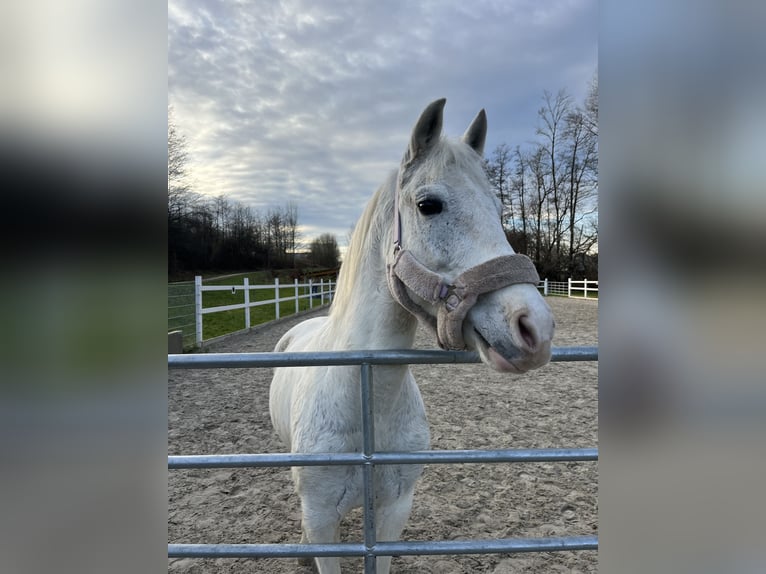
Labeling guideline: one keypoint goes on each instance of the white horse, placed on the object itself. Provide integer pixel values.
(429, 246)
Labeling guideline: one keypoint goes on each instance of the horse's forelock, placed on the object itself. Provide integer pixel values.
(445, 155)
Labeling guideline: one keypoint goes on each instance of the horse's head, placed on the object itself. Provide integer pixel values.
(450, 262)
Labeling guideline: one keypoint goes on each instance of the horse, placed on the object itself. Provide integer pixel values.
(429, 247)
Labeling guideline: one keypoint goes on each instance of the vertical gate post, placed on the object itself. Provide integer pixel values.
(569, 287)
(321, 290)
(368, 447)
(247, 303)
(297, 305)
(311, 293)
(198, 308)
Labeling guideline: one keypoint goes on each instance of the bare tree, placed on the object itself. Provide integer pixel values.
(591, 107)
(538, 199)
(324, 251)
(553, 115)
(292, 234)
(180, 197)
(581, 182)
(499, 174)
(519, 189)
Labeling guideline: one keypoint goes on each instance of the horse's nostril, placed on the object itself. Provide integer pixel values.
(526, 332)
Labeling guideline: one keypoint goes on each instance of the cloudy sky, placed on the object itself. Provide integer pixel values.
(313, 101)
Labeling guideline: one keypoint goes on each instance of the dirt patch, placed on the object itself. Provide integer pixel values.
(469, 407)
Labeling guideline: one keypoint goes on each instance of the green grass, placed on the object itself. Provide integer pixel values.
(216, 324)
(181, 305)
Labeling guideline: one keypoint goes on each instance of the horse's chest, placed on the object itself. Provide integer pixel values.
(391, 482)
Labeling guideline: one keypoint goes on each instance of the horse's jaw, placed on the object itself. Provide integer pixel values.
(509, 336)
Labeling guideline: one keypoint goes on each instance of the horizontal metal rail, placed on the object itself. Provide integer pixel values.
(399, 548)
(333, 358)
(371, 548)
(348, 458)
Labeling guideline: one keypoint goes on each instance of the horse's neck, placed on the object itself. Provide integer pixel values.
(364, 315)
(370, 318)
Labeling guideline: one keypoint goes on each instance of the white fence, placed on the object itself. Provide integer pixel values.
(320, 292)
(576, 289)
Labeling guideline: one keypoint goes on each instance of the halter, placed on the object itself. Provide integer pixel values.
(454, 299)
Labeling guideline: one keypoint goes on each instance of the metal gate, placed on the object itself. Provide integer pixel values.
(370, 548)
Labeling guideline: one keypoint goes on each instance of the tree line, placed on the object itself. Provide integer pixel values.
(222, 234)
(549, 188)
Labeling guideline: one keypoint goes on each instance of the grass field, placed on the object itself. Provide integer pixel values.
(181, 304)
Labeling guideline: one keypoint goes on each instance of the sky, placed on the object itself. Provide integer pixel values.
(313, 102)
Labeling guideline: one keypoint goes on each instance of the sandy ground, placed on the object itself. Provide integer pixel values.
(468, 406)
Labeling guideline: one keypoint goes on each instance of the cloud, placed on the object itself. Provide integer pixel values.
(313, 102)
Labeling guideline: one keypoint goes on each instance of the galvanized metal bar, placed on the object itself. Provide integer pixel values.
(348, 458)
(263, 460)
(368, 458)
(368, 449)
(499, 546)
(400, 548)
(264, 550)
(487, 456)
(374, 357)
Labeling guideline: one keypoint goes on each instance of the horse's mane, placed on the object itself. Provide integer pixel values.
(376, 222)
(368, 233)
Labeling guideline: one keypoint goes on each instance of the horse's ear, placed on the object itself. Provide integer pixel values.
(427, 130)
(476, 134)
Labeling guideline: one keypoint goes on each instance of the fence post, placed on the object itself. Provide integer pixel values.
(198, 308)
(569, 287)
(321, 290)
(545, 287)
(297, 306)
(585, 288)
(247, 303)
(276, 296)
(311, 293)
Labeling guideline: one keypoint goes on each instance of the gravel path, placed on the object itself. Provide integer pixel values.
(468, 406)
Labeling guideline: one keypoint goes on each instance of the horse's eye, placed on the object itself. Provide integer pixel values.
(430, 206)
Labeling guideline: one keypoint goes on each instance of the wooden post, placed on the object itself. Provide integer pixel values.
(297, 306)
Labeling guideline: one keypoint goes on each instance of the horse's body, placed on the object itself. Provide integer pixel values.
(445, 218)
